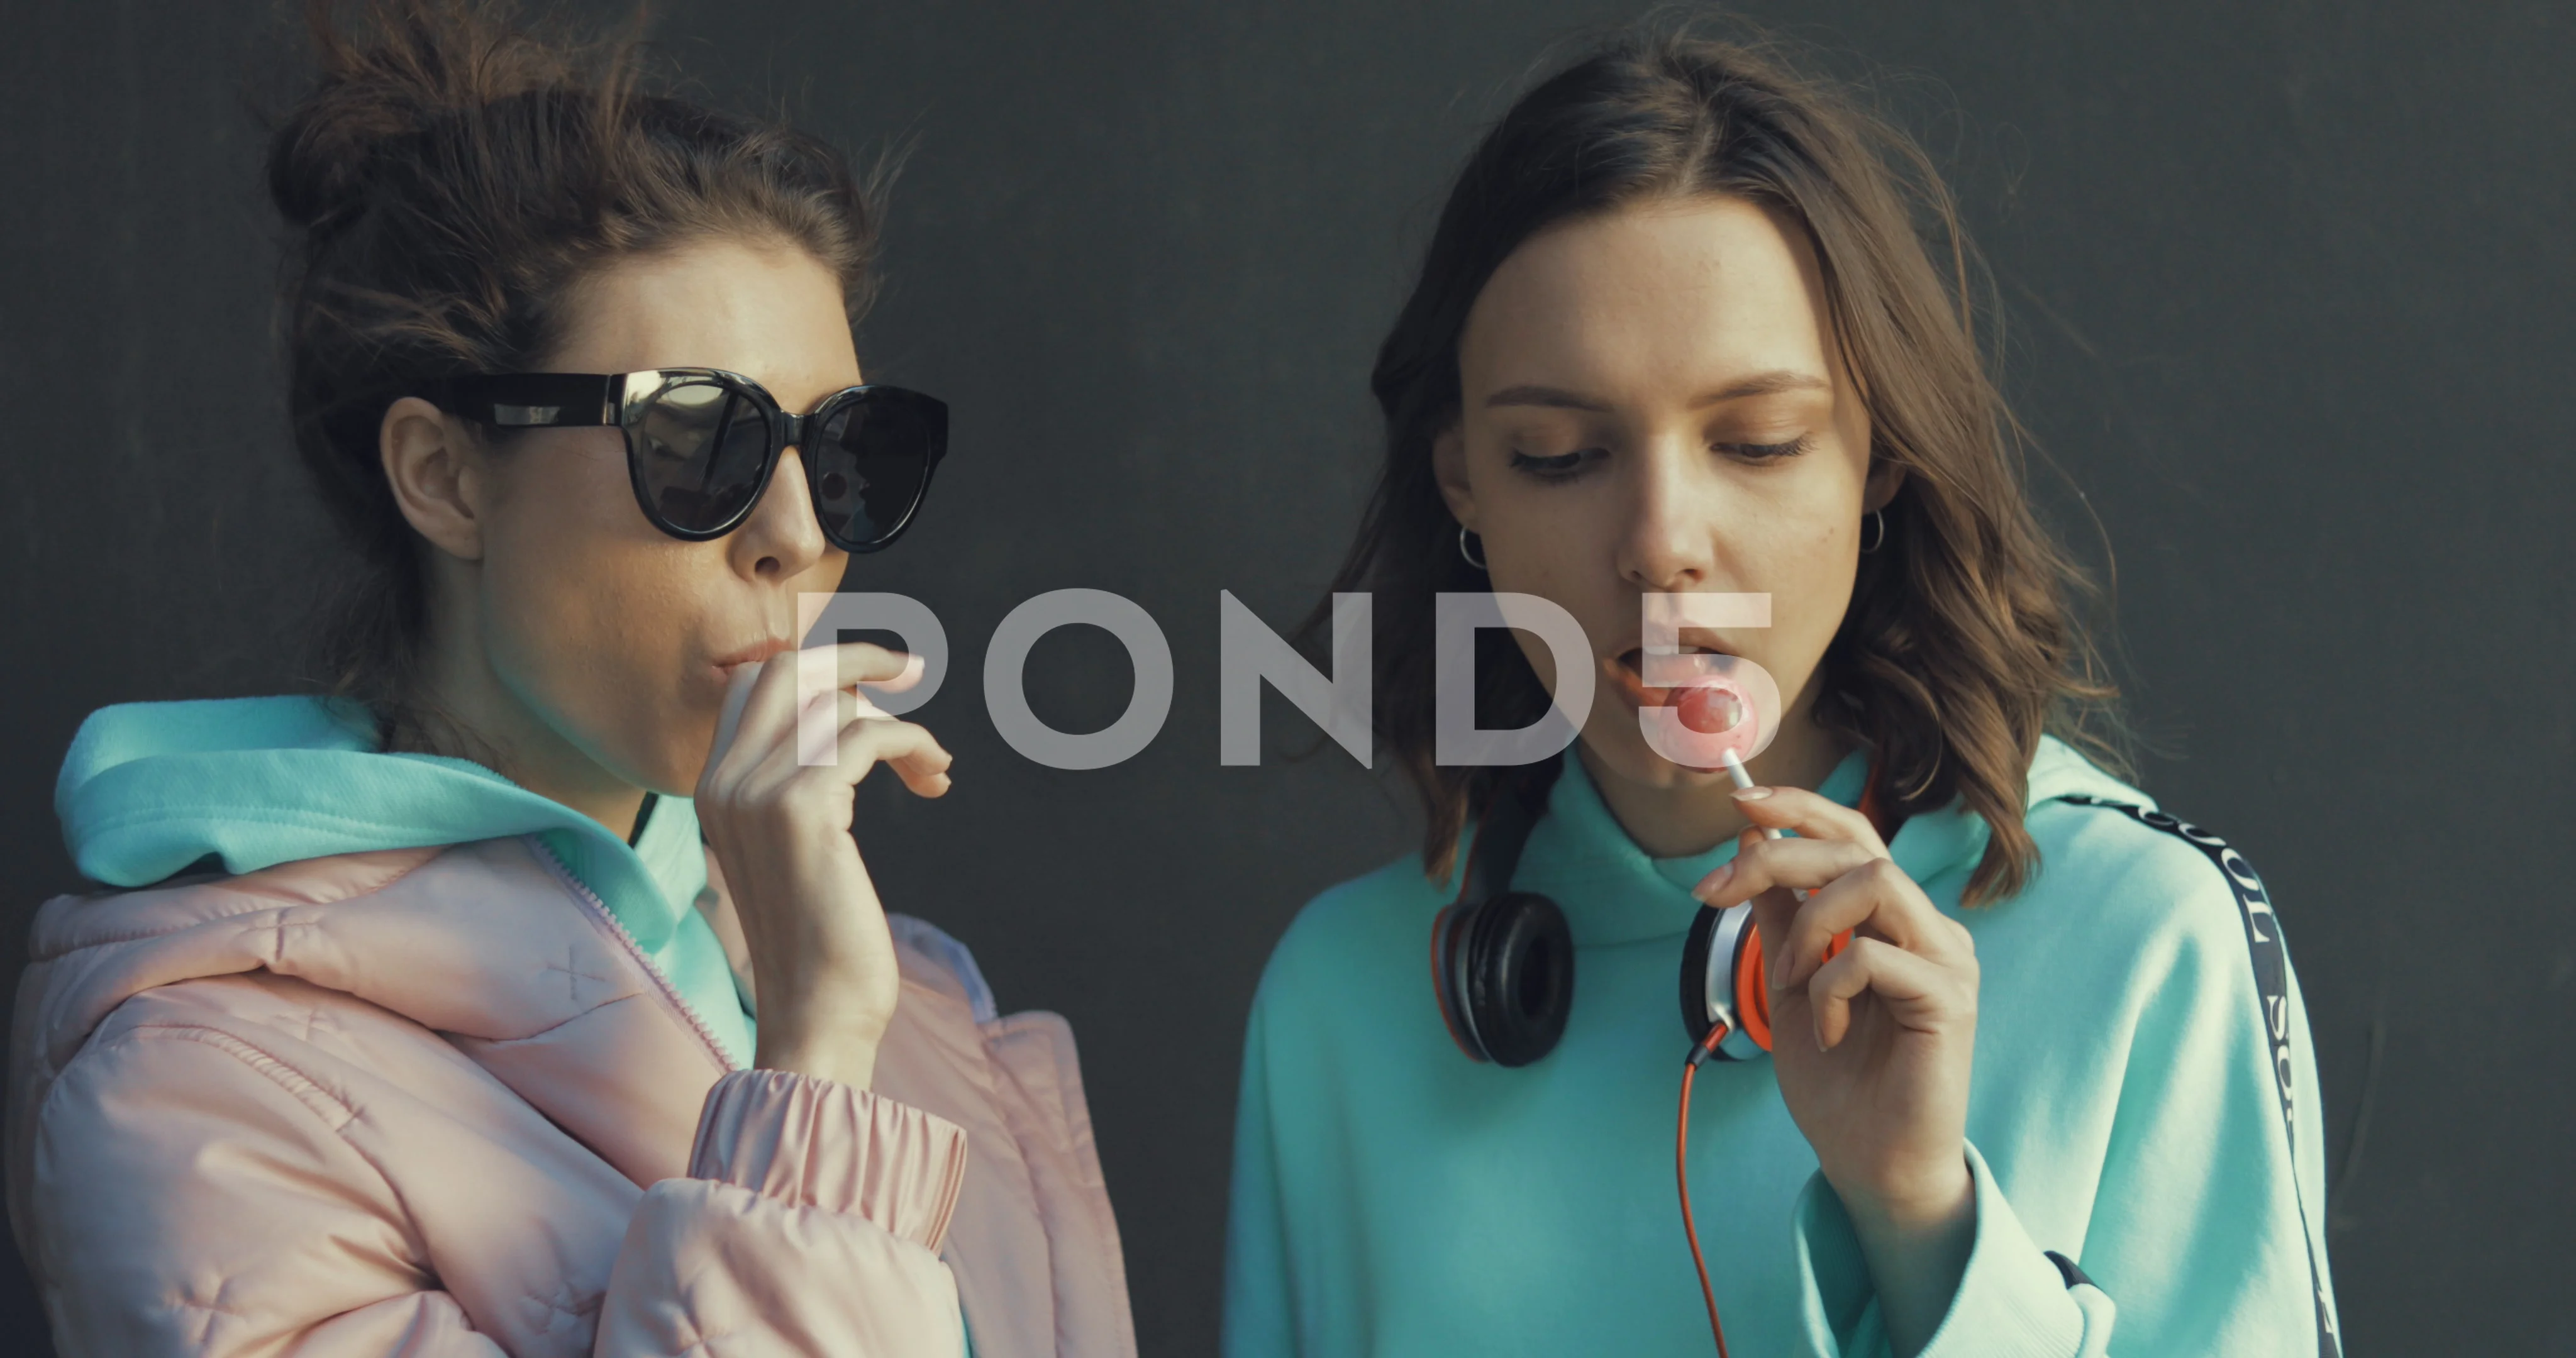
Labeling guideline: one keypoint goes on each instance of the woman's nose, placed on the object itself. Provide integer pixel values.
(1666, 543)
(782, 537)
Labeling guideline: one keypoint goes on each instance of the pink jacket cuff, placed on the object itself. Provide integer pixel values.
(820, 1143)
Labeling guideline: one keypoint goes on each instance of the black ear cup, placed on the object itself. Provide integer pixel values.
(1506, 976)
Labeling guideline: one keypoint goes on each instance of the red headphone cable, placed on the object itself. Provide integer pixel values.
(1700, 1051)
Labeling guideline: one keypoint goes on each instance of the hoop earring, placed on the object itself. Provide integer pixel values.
(1473, 560)
(1871, 544)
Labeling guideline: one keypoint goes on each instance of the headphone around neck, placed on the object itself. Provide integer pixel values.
(1502, 961)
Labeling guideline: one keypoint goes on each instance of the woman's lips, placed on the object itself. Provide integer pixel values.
(1626, 673)
(1629, 682)
(1700, 723)
(752, 654)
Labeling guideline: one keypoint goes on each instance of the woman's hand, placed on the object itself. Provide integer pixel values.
(822, 960)
(1872, 1049)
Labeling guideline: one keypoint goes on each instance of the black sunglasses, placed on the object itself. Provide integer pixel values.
(701, 443)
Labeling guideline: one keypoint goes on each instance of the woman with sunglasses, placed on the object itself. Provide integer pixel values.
(526, 993)
(2031, 1045)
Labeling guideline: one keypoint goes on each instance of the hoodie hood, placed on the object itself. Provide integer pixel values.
(1613, 892)
(1953, 839)
(236, 785)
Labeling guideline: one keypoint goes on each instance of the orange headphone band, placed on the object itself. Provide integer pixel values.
(1744, 1003)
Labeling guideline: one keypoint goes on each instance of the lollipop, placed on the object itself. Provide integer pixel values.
(1711, 709)
(1724, 709)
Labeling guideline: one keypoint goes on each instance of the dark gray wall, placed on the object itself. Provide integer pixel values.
(2291, 304)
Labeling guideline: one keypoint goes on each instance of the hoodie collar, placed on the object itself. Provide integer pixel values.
(149, 790)
(1613, 892)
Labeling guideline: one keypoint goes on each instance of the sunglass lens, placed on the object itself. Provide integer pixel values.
(701, 448)
(872, 462)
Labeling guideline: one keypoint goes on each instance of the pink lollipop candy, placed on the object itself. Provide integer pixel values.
(1725, 709)
(1711, 709)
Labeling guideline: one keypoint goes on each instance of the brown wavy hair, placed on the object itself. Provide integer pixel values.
(1959, 648)
(451, 179)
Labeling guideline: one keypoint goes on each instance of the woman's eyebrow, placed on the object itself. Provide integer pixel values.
(1759, 384)
(1526, 395)
(1763, 384)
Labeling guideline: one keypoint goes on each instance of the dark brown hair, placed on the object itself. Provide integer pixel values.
(451, 180)
(1958, 648)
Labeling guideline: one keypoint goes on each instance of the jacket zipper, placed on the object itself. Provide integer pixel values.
(599, 909)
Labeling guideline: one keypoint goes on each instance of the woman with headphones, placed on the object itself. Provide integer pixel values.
(1991, 1057)
(525, 993)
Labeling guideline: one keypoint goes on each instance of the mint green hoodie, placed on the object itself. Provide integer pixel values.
(150, 789)
(1393, 1197)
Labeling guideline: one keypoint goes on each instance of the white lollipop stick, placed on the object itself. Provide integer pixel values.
(1735, 770)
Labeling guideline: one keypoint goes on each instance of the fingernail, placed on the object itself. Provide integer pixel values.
(1820, 1038)
(1750, 794)
(1715, 881)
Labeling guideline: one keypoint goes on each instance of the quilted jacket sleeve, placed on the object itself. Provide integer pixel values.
(193, 1195)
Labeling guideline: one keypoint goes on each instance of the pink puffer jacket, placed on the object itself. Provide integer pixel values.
(433, 1102)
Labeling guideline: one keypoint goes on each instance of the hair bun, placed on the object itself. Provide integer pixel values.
(318, 159)
(403, 68)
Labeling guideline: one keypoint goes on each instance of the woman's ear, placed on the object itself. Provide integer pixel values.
(436, 475)
(1881, 487)
(1449, 469)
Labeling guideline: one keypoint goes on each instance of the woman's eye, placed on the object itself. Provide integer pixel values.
(1763, 452)
(1559, 467)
